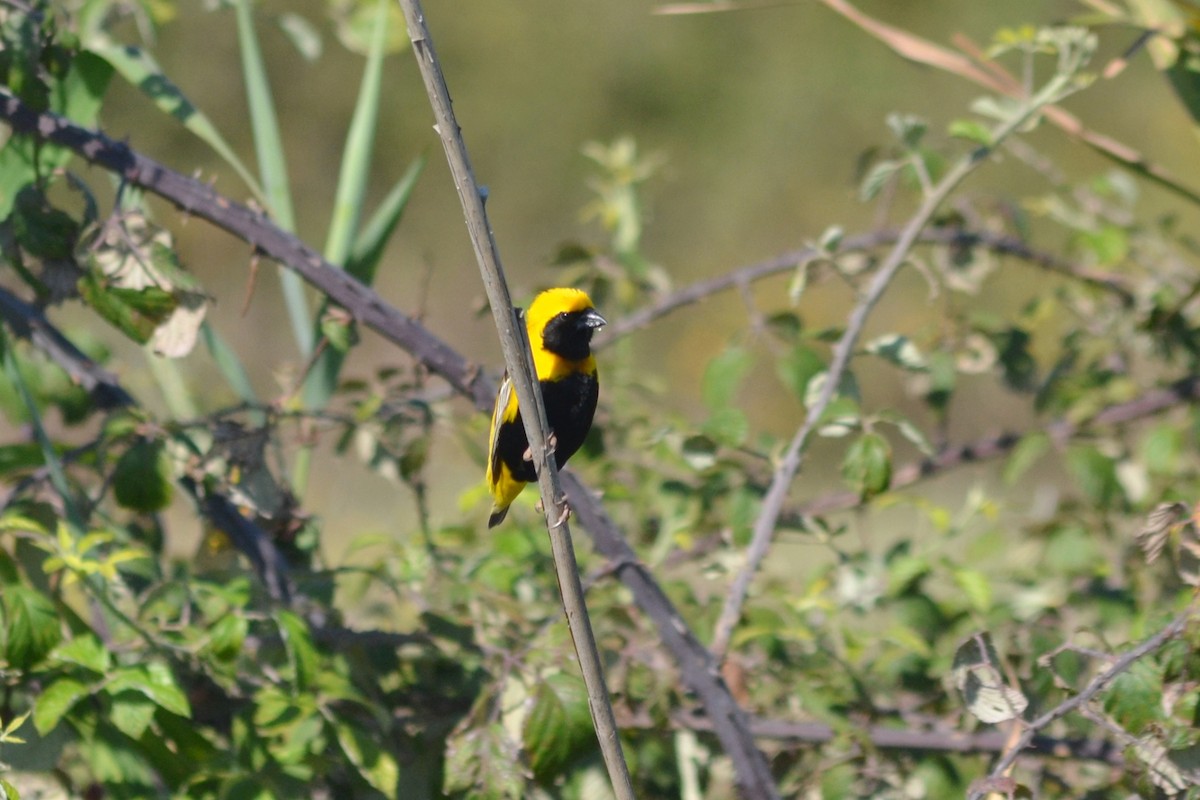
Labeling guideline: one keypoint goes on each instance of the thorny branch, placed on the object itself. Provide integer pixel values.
(521, 372)
(367, 307)
(1001, 244)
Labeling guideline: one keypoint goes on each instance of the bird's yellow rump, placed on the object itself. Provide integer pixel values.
(560, 324)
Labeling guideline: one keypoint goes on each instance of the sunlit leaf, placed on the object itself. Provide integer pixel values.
(377, 766)
(723, 375)
(977, 674)
(31, 626)
(867, 466)
(302, 653)
(58, 698)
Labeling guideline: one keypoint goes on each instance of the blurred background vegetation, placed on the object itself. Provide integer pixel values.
(413, 649)
(760, 117)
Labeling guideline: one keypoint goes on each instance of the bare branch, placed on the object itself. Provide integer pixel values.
(764, 526)
(911, 739)
(519, 361)
(1156, 401)
(999, 243)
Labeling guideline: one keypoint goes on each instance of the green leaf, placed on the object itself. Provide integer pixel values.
(558, 725)
(31, 626)
(1018, 364)
(1109, 245)
(943, 376)
(841, 417)
(85, 651)
(136, 313)
(372, 240)
(700, 452)
(847, 390)
(303, 35)
(876, 178)
(483, 762)
(977, 588)
(272, 708)
(1072, 550)
(1134, 698)
(897, 349)
(377, 766)
(728, 426)
(340, 333)
(16, 458)
(867, 467)
(302, 654)
(797, 367)
(1027, 453)
(1161, 449)
(8, 791)
(41, 229)
(227, 636)
(908, 429)
(131, 713)
(908, 129)
(155, 681)
(973, 131)
(358, 25)
(1095, 474)
(55, 701)
(142, 479)
(722, 376)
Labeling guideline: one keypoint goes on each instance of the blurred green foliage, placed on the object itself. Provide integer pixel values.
(411, 655)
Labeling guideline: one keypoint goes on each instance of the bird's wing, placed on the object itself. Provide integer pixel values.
(499, 416)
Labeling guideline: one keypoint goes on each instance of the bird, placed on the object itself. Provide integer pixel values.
(560, 323)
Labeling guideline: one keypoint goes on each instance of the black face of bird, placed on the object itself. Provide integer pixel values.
(570, 333)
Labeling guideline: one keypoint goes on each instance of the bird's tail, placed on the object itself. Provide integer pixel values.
(498, 515)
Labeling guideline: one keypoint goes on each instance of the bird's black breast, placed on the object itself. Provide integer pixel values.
(570, 406)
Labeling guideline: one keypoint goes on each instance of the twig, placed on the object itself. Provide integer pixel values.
(908, 739)
(1000, 243)
(519, 362)
(764, 526)
(28, 322)
(1094, 687)
(993, 77)
(1148, 404)
(202, 201)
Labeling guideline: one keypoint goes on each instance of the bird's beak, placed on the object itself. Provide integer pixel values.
(592, 319)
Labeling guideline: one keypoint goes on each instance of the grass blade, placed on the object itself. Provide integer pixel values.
(228, 363)
(352, 185)
(140, 69)
(268, 145)
(58, 477)
(368, 249)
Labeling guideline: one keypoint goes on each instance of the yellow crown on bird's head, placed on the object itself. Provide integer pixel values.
(553, 302)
